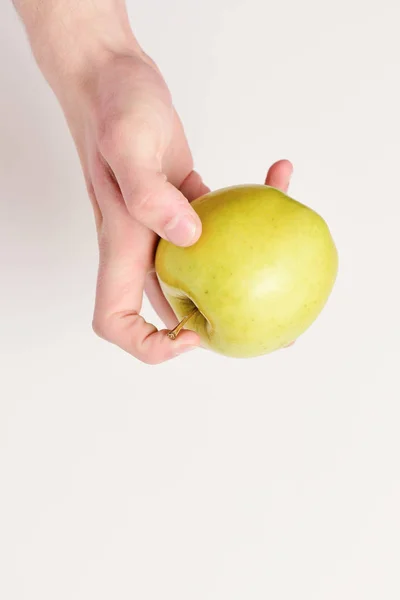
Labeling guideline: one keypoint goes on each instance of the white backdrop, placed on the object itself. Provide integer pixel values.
(208, 478)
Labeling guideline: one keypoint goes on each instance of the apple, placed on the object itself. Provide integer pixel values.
(259, 275)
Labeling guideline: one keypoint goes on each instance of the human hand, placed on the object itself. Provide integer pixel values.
(139, 174)
(140, 177)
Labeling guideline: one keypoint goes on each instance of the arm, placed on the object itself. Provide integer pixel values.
(67, 36)
(91, 59)
(134, 154)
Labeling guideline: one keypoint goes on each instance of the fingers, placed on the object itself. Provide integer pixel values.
(133, 149)
(193, 187)
(279, 175)
(129, 331)
(126, 252)
(290, 344)
(158, 301)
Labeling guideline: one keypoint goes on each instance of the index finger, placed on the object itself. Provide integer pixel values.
(126, 252)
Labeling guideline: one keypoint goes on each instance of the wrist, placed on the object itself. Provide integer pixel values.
(71, 39)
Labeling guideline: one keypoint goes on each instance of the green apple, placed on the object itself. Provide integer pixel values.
(259, 275)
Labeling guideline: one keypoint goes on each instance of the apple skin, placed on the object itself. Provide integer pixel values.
(259, 275)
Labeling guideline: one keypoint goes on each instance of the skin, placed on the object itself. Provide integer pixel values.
(135, 158)
(259, 276)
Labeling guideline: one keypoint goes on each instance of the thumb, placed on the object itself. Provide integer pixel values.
(150, 198)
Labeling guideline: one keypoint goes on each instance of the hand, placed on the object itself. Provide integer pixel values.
(135, 157)
(140, 177)
(139, 173)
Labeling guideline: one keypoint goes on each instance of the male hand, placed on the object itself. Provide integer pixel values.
(135, 157)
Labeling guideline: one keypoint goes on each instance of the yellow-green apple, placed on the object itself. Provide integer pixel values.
(259, 275)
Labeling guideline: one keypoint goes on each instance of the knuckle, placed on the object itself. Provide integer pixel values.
(101, 327)
(144, 197)
(126, 330)
(140, 203)
(111, 133)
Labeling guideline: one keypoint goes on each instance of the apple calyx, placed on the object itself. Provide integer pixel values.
(174, 333)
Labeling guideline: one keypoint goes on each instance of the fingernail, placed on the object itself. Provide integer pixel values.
(290, 344)
(181, 230)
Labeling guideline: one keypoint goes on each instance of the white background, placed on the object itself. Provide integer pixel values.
(208, 478)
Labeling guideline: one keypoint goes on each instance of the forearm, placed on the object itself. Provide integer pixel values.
(68, 36)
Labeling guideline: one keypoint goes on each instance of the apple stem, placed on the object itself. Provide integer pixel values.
(174, 333)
